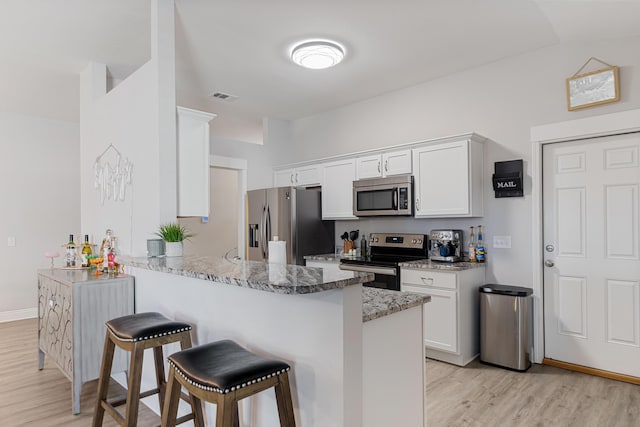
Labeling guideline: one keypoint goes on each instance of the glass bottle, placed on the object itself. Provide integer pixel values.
(86, 251)
(480, 251)
(70, 255)
(472, 246)
(105, 250)
(363, 246)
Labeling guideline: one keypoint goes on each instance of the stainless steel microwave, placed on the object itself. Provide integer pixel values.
(391, 196)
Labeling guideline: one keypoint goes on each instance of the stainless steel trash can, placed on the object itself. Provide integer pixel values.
(505, 313)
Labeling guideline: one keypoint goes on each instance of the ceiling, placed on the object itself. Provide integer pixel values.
(242, 47)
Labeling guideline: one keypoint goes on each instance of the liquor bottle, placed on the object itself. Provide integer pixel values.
(105, 250)
(472, 246)
(363, 246)
(70, 255)
(480, 251)
(86, 251)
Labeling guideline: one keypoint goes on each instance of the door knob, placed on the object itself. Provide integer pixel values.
(549, 263)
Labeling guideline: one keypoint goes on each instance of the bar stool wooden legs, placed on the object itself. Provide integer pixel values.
(223, 372)
(135, 333)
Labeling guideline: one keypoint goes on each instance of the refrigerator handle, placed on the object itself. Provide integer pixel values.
(263, 233)
(268, 230)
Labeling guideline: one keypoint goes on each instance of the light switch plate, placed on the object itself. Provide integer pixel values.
(502, 242)
(11, 241)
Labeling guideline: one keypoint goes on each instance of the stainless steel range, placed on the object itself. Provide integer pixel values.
(386, 252)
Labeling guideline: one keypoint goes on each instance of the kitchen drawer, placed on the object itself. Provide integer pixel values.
(429, 278)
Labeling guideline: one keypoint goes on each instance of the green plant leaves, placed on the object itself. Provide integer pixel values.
(173, 232)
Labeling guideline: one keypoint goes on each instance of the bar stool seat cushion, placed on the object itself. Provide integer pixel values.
(224, 366)
(144, 326)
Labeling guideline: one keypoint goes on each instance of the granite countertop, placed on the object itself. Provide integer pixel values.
(427, 264)
(378, 303)
(78, 275)
(276, 278)
(324, 257)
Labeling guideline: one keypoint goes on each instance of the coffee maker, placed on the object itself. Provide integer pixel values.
(445, 245)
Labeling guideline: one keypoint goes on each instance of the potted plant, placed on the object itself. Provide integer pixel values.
(173, 235)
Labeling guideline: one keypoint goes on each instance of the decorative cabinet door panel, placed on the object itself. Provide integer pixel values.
(55, 328)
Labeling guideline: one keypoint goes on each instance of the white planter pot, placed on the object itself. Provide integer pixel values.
(173, 248)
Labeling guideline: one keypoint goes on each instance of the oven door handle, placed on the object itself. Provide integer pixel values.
(387, 271)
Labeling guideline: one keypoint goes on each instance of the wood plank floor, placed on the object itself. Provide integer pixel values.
(29, 397)
(477, 395)
(482, 395)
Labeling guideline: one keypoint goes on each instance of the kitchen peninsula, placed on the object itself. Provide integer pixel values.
(356, 353)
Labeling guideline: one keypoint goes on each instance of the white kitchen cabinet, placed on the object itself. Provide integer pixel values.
(449, 179)
(451, 319)
(193, 162)
(73, 306)
(385, 164)
(303, 176)
(332, 266)
(337, 189)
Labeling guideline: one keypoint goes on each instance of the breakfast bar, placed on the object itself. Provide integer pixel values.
(356, 353)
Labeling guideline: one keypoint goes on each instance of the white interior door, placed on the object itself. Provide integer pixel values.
(592, 268)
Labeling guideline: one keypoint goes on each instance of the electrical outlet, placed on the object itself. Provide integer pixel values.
(502, 242)
(11, 241)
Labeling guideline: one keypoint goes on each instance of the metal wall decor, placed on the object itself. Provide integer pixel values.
(594, 88)
(112, 177)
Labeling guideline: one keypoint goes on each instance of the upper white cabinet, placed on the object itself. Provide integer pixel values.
(385, 164)
(302, 176)
(449, 179)
(193, 162)
(337, 189)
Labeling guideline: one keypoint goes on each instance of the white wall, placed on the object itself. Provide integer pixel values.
(40, 194)
(276, 149)
(139, 118)
(501, 101)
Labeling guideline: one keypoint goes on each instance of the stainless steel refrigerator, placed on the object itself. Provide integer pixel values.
(294, 215)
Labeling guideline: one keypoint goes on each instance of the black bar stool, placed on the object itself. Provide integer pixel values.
(223, 372)
(135, 333)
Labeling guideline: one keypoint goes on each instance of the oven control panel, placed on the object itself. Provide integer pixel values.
(411, 241)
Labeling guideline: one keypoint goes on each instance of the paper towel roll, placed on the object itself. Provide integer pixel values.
(277, 252)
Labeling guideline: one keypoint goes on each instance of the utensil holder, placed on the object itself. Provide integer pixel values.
(348, 245)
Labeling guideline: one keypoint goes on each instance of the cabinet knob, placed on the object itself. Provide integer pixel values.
(291, 179)
(52, 301)
(417, 204)
(386, 165)
(379, 167)
(427, 280)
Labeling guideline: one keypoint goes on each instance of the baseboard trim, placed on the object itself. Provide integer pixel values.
(592, 371)
(25, 313)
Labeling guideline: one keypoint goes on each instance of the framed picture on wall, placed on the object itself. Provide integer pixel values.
(594, 88)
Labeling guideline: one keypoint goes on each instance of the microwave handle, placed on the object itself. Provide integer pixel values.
(394, 202)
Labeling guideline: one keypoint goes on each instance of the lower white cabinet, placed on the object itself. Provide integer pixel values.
(451, 319)
(337, 189)
(73, 306)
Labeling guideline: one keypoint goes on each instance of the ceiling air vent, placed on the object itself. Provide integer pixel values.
(221, 96)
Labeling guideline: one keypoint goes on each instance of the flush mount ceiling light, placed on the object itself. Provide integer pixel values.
(317, 54)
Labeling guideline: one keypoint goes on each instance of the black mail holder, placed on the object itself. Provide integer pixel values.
(507, 179)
